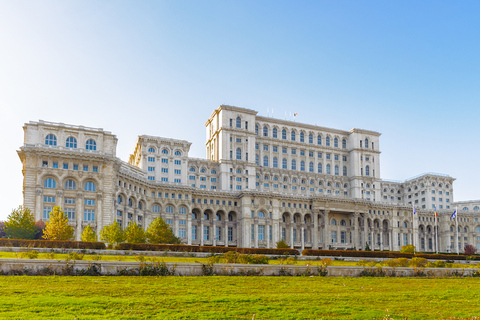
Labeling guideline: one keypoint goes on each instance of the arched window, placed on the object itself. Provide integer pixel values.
(256, 160)
(320, 168)
(319, 139)
(333, 222)
(130, 202)
(367, 170)
(284, 163)
(164, 151)
(451, 228)
(310, 167)
(265, 161)
(239, 154)
(302, 165)
(51, 140)
(327, 141)
(294, 165)
(140, 205)
(343, 223)
(274, 132)
(71, 142)
(205, 216)
(89, 186)
(238, 122)
(49, 183)
(310, 138)
(344, 143)
(302, 137)
(256, 129)
(328, 169)
(476, 208)
(465, 230)
(213, 172)
(169, 209)
(366, 143)
(293, 135)
(151, 150)
(465, 209)
(261, 214)
(91, 145)
(405, 224)
(120, 199)
(70, 185)
(335, 142)
(344, 171)
(182, 210)
(191, 169)
(265, 131)
(218, 216)
(336, 170)
(178, 153)
(275, 162)
(230, 217)
(156, 208)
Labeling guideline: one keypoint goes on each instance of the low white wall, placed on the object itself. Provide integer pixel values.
(196, 269)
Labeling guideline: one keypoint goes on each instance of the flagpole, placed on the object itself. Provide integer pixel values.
(456, 229)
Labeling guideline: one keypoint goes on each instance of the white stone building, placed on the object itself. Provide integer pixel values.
(264, 179)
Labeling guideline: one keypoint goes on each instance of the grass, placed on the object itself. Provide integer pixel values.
(26, 297)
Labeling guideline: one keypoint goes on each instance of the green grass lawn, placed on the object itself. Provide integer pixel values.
(25, 297)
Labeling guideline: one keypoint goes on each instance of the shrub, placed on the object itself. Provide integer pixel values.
(288, 260)
(408, 249)
(2, 230)
(326, 262)
(89, 234)
(439, 264)
(30, 254)
(367, 247)
(235, 257)
(75, 256)
(282, 244)
(51, 244)
(418, 262)
(469, 250)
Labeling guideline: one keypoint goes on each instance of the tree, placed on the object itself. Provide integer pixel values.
(57, 227)
(469, 250)
(112, 234)
(282, 244)
(20, 224)
(159, 232)
(88, 234)
(134, 233)
(2, 230)
(40, 224)
(367, 247)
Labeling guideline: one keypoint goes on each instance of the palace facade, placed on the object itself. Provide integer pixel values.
(264, 179)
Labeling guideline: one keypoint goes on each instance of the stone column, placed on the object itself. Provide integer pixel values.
(225, 232)
(255, 231)
(327, 235)
(38, 204)
(303, 238)
(355, 232)
(381, 240)
(315, 232)
(214, 232)
(291, 237)
(79, 213)
(201, 232)
(373, 241)
(365, 231)
(189, 229)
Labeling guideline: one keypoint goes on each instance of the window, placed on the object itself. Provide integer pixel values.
(336, 171)
(310, 138)
(69, 200)
(51, 140)
(151, 159)
(302, 165)
(65, 166)
(294, 151)
(265, 131)
(89, 186)
(89, 215)
(261, 214)
(89, 202)
(48, 199)
(367, 170)
(310, 167)
(70, 212)
(46, 212)
(327, 141)
(177, 171)
(265, 147)
(91, 145)
(328, 169)
(284, 134)
(169, 209)
(85, 168)
(333, 222)
(156, 208)
(319, 139)
(344, 144)
(275, 162)
(261, 232)
(71, 142)
(274, 132)
(178, 153)
(292, 135)
(95, 168)
(284, 163)
(70, 185)
(335, 142)
(238, 122)
(49, 183)
(302, 137)
(294, 165)
(366, 143)
(319, 168)
(182, 232)
(206, 233)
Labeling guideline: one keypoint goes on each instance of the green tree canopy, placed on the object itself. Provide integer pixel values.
(282, 244)
(134, 233)
(20, 224)
(89, 235)
(112, 234)
(159, 232)
(57, 226)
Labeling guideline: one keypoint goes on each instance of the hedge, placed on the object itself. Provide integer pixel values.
(383, 254)
(51, 244)
(190, 248)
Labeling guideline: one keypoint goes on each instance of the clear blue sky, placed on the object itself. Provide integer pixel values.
(408, 69)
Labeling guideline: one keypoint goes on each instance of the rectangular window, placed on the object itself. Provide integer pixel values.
(302, 152)
(294, 235)
(151, 178)
(405, 239)
(169, 221)
(218, 234)
(344, 158)
(48, 199)
(46, 212)
(283, 234)
(89, 202)
(95, 168)
(89, 215)
(252, 232)
(261, 232)
(270, 232)
(164, 160)
(164, 179)
(177, 180)
(194, 232)
(164, 170)
(275, 149)
(85, 168)
(151, 169)
(284, 150)
(182, 232)
(213, 179)
(75, 167)
(265, 147)
(191, 177)
(230, 234)
(334, 236)
(69, 200)
(336, 157)
(178, 162)
(176, 171)
(55, 165)
(310, 154)
(65, 166)
(206, 233)
(328, 156)
(70, 212)
(151, 159)
(319, 155)
(294, 151)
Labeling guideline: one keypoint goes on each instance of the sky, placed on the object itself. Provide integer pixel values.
(407, 69)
